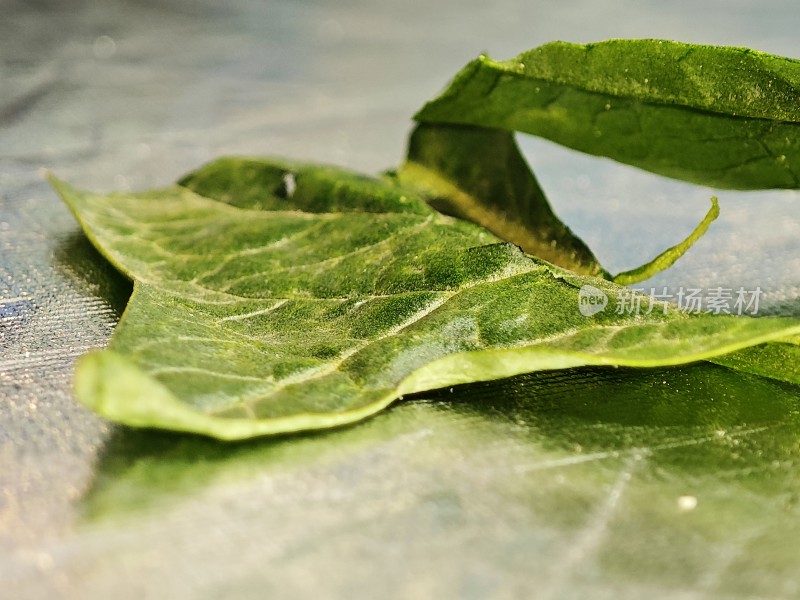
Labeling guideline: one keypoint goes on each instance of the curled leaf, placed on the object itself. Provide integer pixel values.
(479, 175)
(718, 116)
(667, 258)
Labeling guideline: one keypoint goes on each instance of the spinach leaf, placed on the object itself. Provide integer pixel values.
(272, 297)
(777, 361)
(719, 116)
(667, 258)
(479, 174)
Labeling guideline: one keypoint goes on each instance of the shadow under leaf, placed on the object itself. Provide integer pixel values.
(78, 257)
(700, 420)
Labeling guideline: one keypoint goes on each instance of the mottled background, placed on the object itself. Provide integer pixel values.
(677, 483)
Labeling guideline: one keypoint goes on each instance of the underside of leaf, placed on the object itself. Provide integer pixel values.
(718, 116)
(479, 175)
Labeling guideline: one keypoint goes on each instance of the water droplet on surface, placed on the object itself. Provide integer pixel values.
(289, 184)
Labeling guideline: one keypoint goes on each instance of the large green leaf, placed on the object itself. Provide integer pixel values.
(719, 116)
(272, 297)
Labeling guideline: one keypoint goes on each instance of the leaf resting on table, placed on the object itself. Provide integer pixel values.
(719, 116)
(271, 297)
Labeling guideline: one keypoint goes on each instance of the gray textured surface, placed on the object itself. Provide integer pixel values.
(540, 487)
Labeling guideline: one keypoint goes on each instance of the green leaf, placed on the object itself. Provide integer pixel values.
(667, 258)
(719, 116)
(272, 297)
(777, 361)
(479, 175)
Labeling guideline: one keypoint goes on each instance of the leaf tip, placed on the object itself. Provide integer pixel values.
(116, 388)
(713, 213)
(667, 258)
